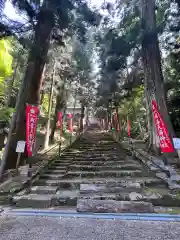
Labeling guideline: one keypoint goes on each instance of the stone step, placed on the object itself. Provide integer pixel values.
(52, 176)
(44, 190)
(92, 154)
(106, 173)
(106, 196)
(33, 201)
(91, 158)
(62, 163)
(58, 167)
(47, 200)
(74, 152)
(90, 147)
(103, 167)
(110, 188)
(75, 183)
(103, 149)
(102, 158)
(111, 206)
(155, 198)
(92, 163)
(55, 171)
(65, 197)
(66, 160)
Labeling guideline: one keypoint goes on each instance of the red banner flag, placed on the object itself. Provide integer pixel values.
(161, 129)
(31, 125)
(128, 127)
(70, 127)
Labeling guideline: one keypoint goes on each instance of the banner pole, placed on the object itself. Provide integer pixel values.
(29, 177)
(60, 144)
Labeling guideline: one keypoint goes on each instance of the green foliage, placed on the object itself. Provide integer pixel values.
(6, 114)
(132, 106)
(45, 103)
(121, 75)
(5, 59)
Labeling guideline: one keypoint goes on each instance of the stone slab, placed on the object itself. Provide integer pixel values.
(155, 198)
(105, 167)
(57, 168)
(108, 173)
(33, 201)
(111, 206)
(44, 189)
(52, 176)
(65, 198)
(94, 188)
(55, 171)
(75, 183)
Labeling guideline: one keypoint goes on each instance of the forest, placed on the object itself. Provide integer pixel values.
(112, 58)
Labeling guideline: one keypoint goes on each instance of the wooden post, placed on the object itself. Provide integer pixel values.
(60, 144)
(29, 182)
(18, 161)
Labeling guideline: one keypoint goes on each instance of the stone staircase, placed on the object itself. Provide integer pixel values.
(97, 175)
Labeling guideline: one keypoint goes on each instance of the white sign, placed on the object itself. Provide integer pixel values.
(20, 146)
(176, 142)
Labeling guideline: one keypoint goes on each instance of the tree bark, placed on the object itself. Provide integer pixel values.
(118, 119)
(149, 113)
(42, 98)
(107, 122)
(82, 117)
(87, 116)
(32, 81)
(154, 81)
(59, 107)
(74, 107)
(48, 124)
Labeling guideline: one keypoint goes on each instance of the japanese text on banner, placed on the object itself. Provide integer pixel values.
(31, 125)
(161, 129)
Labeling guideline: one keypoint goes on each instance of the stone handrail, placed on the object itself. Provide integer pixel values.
(165, 172)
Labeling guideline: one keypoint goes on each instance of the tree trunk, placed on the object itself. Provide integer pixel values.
(42, 98)
(118, 119)
(151, 127)
(87, 116)
(74, 107)
(32, 81)
(48, 124)
(42, 81)
(109, 118)
(59, 107)
(149, 113)
(141, 130)
(82, 117)
(154, 82)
